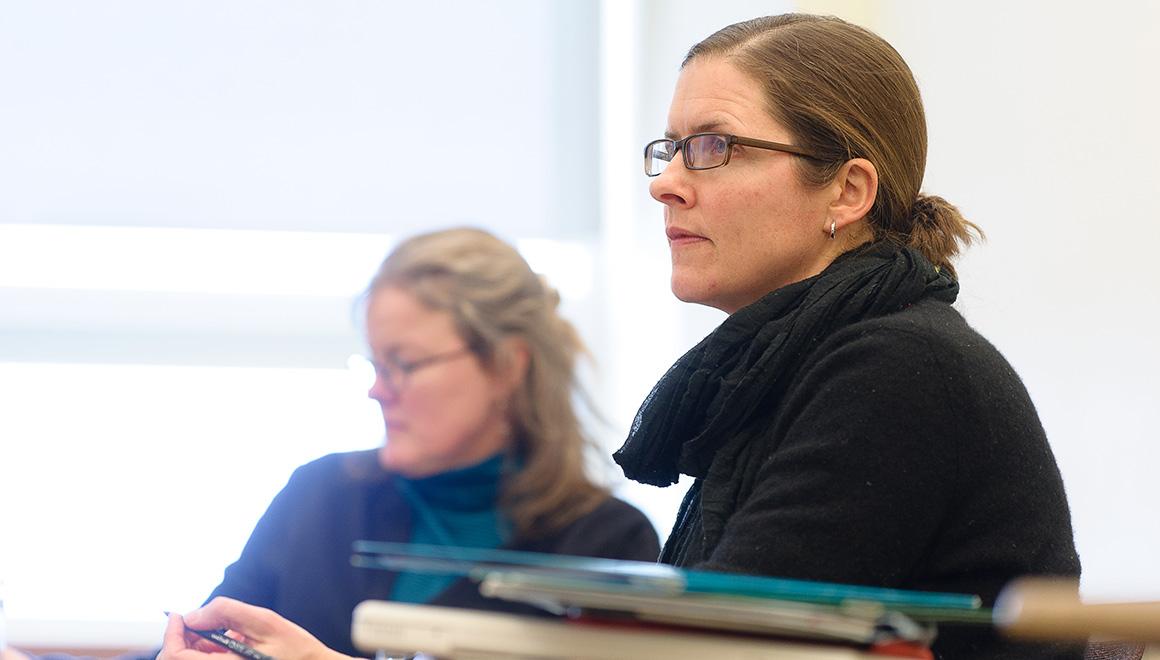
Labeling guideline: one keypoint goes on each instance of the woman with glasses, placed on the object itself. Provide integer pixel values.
(844, 423)
(475, 375)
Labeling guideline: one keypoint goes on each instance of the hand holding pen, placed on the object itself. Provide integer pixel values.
(223, 640)
(263, 635)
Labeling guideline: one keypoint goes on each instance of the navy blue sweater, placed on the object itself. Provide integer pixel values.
(297, 560)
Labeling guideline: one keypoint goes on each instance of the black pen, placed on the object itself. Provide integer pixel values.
(219, 637)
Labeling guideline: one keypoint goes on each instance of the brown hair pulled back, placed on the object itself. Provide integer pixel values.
(843, 92)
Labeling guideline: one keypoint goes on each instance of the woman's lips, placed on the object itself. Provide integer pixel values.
(678, 236)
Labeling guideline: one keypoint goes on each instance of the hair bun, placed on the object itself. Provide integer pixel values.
(926, 208)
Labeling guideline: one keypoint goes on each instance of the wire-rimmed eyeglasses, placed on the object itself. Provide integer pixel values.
(394, 371)
(704, 151)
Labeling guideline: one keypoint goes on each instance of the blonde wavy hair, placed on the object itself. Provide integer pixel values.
(493, 295)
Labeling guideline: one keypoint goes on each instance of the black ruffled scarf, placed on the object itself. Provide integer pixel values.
(753, 355)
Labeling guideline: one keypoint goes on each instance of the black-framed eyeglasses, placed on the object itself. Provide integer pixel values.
(394, 371)
(704, 151)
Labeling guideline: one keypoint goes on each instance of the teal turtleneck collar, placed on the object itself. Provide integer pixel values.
(455, 508)
(471, 488)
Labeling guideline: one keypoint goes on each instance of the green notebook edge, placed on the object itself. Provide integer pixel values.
(655, 578)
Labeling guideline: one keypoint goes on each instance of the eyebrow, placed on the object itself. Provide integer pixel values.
(712, 126)
(389, 352)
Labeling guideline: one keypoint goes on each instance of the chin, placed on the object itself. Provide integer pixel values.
(690, 292)
(390, 459)
(409, 466)
(386, 459)
(682, 288)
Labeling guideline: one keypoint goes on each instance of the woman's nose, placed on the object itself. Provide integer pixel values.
(671, 187)
(382, 391)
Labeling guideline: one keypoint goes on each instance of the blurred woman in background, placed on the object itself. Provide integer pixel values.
(475, 372)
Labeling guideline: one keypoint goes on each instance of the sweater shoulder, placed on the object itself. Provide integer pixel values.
(924, 364)
(337, 471)
(931, 335)
(613, 508)
(614, 529)
(610, 514)
(930, 323)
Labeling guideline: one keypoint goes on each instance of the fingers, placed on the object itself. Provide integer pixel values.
(174, 639)
(179, 643)
(258, 627)
(251, 621)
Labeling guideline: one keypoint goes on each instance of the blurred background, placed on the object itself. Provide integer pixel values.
(194, 192)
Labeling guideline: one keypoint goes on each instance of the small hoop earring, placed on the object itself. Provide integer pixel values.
(833, 229)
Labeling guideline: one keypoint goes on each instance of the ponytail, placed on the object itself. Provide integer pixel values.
(938, 230)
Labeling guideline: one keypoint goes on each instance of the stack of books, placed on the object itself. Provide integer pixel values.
(626, 609)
